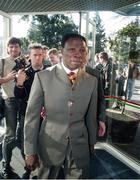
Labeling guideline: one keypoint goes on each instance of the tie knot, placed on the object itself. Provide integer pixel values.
(72, 77)
(71, 74)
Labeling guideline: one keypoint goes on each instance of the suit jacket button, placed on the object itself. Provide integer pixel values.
(70, 103)
(71, 114)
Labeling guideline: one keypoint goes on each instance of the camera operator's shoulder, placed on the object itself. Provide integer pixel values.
(5, 59)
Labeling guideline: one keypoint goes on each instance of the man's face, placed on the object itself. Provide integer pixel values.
(54, 58)
(74, 53)
(13, 50)
(101, 59)
(36, 56)
(45, 53)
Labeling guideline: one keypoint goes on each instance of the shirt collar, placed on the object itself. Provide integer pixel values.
(68, 70)
(39, 69)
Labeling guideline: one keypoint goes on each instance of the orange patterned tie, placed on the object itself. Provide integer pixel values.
(72, 77)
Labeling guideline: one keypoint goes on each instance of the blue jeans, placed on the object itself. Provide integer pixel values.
(11, 112)
(130, 88)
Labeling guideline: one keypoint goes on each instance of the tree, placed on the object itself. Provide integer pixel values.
(125, 41)
(25, 44)
(119, 48)
(100, 35)
(132, 31)
(49, 29)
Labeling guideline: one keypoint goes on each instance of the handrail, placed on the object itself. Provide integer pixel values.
(123, 101)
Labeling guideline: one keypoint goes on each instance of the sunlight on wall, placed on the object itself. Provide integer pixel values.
(20, 27)
(1, 25)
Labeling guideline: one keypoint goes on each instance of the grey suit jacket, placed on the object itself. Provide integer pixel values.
(71, 117)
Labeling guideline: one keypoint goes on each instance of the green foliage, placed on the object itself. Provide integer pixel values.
(49, 29)
(119, 48)
(100, 35)
(25, 18)
(25, 44)
(125, 41)
(130, 30)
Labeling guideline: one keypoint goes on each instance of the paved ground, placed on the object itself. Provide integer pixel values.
(103, 166)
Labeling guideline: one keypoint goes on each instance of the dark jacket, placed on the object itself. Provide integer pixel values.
(105, 72)
(100, 100)
(23, 93)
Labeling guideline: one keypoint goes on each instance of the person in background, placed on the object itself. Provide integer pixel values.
(114, 70)
(46, 60)
(54, 56)
(105, 72)
(96, 59)
(120, 80)
(101, 104)
(132, 73)
(23, 86)
(101, 120)
(8, 67)
(97, 64)
(68, 133)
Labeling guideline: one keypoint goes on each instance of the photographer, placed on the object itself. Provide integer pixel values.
(7, 81)
(23, 86)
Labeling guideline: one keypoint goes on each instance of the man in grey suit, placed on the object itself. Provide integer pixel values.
(68, 133)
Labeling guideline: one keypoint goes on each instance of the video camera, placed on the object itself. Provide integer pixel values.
(21, 63)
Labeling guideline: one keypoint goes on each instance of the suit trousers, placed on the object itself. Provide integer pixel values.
(68, 169)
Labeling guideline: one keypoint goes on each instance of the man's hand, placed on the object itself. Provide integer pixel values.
(21, 77)
(32, 162)
(10, 76)
(102, 128)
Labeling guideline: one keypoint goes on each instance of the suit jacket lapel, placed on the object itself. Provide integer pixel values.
(61, 74)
